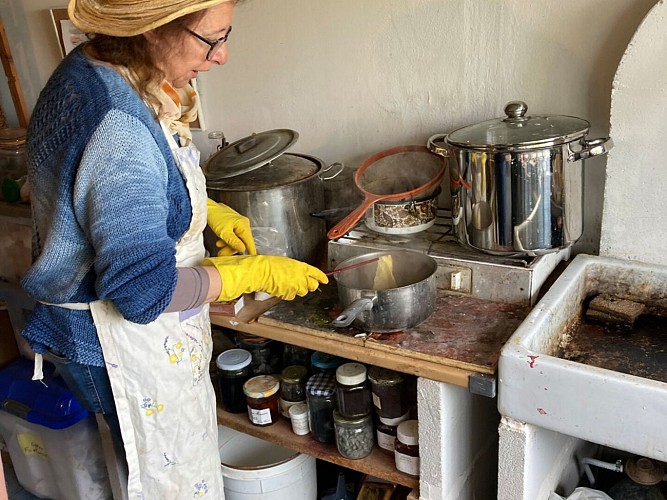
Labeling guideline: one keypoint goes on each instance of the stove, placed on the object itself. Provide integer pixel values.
(461, 270)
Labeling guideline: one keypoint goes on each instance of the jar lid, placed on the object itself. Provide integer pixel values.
(253, 340)
(325, 361)
(261, 386)
(248, 154)
(294, 374)
(394, 421)
(298, 409)
(350, 421)
(322, 385)
(519, 131)
(351, 373)
(407, 432)
(233, 359)
(378, 375)
(12, 138)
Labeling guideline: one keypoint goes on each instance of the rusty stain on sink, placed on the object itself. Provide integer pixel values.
(640, 350)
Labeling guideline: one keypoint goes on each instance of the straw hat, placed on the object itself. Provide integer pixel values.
(130, 17)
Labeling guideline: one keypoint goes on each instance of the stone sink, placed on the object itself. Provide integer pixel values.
(609, 389)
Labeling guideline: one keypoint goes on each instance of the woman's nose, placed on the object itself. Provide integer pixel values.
(220, 57)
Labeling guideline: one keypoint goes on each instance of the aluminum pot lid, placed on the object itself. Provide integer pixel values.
(286, 169)
(517, 130)
(249, 153)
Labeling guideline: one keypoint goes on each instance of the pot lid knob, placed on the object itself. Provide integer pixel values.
(515, 111)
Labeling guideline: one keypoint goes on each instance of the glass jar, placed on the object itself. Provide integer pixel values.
(234, 370)
(262, 399)
(321, 397)
(295, 355)
(354, 436)
(322, 362)
(266, 353)
(386, 431)
(389, 392)
(292, 387)
(406, 447)
(353, 390)
(13, 162)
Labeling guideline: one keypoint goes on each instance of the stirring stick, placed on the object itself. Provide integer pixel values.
(352, 266)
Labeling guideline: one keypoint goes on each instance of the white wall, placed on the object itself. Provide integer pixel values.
(354, 77)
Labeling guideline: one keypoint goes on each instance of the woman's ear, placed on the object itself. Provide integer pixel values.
(151, 36)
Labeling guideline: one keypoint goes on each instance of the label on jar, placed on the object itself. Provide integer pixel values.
(376, 401)
(386, 441)
(259, 417)
(406, 463)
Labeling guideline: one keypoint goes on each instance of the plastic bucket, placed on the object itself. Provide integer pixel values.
(256, 469)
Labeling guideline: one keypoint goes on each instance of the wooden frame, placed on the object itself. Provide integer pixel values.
(69, 39)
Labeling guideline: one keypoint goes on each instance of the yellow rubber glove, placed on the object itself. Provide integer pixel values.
(232, 229)
(276, 275)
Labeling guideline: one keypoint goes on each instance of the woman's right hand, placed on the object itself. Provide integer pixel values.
(276, 275)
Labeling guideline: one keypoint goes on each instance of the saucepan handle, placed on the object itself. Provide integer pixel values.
(353, 310)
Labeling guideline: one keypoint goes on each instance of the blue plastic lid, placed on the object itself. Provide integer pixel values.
(325, 361)
(233, 359)
(50, 403)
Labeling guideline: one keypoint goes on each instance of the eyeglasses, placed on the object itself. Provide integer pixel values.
(214, 46)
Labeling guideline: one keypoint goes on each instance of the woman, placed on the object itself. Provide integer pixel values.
(119, 206)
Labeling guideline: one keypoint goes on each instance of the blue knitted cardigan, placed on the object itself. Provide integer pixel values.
(108, 203)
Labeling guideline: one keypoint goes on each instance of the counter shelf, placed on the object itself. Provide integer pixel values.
(459, 344)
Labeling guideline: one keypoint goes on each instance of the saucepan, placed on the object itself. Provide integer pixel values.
(401, 173)
(372, 307)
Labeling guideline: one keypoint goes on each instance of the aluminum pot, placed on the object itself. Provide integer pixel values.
(517, 182)
(403, 217)
(274, 189)
(411, 302)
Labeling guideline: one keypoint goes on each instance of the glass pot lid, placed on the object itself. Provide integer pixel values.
(519, 131)
(249, 153)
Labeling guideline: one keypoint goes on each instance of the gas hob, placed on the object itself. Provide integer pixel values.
(463, 270)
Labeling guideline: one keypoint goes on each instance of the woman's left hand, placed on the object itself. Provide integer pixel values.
(232, 229)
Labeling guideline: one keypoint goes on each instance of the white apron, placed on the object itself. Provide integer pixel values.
(159, 375)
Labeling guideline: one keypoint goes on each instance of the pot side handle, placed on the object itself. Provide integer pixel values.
(353, 310)
(335, 166)
(594, 147)
(437, 144)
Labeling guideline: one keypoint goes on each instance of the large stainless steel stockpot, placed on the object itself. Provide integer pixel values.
(255, 177)
(517, 182)
(411, 302)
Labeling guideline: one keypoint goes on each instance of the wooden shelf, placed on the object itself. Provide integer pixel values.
(379, 463)
(17, 210)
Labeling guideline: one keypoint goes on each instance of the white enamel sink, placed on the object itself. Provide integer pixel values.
(623, 411)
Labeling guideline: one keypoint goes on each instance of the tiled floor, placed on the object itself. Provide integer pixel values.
(14, 489)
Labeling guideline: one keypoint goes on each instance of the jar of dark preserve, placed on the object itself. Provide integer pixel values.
(295, 355)
(321, 397)
(292, 387)
(354, 436)
(386, 431)
(266, 353)
(262, 399)
(322, 362)
(389, 392)
(234, 370)
(406, 447)
(353, 390)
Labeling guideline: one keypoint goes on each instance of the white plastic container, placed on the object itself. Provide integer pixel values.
(254, 469)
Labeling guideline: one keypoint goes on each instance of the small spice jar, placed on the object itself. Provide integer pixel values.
(389, 391)
(321, 397)
(262, 399)
(322, 362)
(298, 415)
(234, 370)
(353, 391)
(386, 431)
(406, 447)
(354, 436)
(292, 387)
(266, 353)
